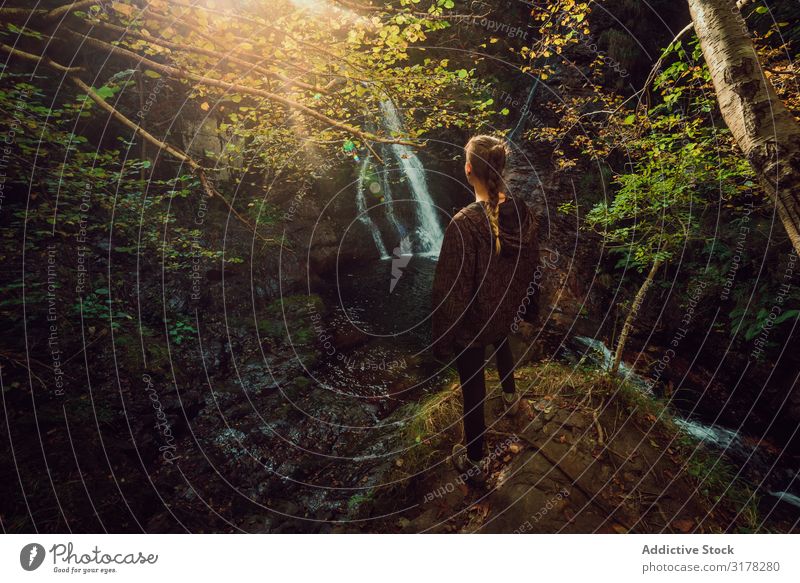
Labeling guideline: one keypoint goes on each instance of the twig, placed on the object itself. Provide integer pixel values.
(25, 366)
(599, 427)
(650, 77)
(654, 71)
(39, 59)
(129, 32)
(776, 72)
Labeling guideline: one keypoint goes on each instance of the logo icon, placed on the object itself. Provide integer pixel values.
(31, 556)
(401, 255)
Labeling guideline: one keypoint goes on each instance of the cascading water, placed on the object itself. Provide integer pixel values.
(363, 214)
(402, 233)
(597, 351)
(428, 232)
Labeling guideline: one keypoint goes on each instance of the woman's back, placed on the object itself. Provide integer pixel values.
(477, 292)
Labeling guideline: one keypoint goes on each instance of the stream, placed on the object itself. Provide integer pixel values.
(391, 313)
(754, 460)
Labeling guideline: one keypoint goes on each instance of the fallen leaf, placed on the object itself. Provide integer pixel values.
(684, 524)
(482, 510)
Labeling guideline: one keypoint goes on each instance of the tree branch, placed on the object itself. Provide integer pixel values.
(57, 13)
(196, 169)
(38, 59)
(311, 46)
(336, 77)
(199, 32)
(237, 88)
(208, 53)
(654, 71)
(29, 14)
(391, 9)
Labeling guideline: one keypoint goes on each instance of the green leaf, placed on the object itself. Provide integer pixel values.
(762, 10)
(785, 316)
(105, 92)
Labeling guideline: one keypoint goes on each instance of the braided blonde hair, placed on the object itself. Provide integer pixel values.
(487, 156)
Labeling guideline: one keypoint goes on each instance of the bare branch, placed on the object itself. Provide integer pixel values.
(391, 9)
(34, 14)
(654, 71)
(38, 59)
(309, 45)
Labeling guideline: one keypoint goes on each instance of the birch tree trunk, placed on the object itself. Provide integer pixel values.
(627, 327)
(764, 129)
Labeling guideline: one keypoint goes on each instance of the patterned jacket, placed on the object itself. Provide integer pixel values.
(478, 296)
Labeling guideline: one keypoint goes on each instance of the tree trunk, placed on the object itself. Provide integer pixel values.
(631, 317)
(765, 130)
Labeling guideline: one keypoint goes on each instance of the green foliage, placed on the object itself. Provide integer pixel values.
(681, 164)
(181, 330)
(754, 310)
(359, 499)
(98, 305)
(656, 209)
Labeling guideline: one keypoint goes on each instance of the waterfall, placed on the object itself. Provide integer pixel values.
(405, 243)
(363, 215)
(428, 231)
(425, 236)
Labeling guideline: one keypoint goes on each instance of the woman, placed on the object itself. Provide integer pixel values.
(486, 262)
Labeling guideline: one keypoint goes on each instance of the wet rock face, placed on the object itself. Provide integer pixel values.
(565, 290)
(285, 449)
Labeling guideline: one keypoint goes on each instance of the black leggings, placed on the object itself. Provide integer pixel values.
(470, 365)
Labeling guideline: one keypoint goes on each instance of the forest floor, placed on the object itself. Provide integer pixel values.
(582, 455)
(585, 454)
